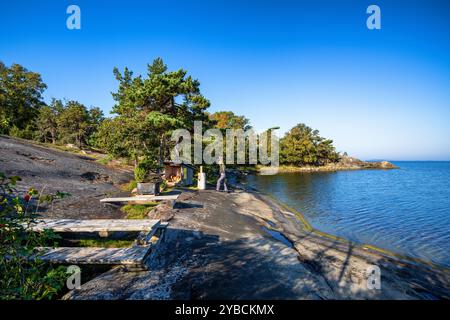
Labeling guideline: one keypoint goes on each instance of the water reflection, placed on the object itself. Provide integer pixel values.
(406, 210)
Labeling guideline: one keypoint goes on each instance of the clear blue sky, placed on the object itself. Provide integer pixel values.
(377, 93)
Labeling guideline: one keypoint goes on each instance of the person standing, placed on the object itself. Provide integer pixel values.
(222, 177)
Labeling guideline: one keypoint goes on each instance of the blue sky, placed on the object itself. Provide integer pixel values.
(376, 93)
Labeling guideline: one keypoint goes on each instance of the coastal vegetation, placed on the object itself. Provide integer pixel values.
(147, 109)
(104, 243)
(229, 120)
(24, 114)
(22, 274)
(304, 146)
(137, 211)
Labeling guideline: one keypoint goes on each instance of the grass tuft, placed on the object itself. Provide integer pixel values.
(105, 160)
(137, 211)
(129, 186)
(105, 243)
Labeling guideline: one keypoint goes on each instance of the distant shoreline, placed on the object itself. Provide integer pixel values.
(356, 165)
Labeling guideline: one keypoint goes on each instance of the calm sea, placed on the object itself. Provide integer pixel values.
(405, 210)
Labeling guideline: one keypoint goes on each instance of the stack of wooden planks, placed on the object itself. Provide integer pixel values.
(150, 232)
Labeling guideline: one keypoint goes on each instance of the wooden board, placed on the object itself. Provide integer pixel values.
(96, 225)
(93, 255)
(163, 225)
(141, 198)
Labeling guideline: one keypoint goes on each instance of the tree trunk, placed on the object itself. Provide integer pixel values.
(78, 141)
(160, 154)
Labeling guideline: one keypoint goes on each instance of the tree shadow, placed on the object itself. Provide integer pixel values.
(192, 264)
(345, 267)
(187, 205)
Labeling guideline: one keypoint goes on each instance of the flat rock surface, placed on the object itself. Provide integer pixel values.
(239, 245)
(49, 171)
(243, 246)
(212, 252)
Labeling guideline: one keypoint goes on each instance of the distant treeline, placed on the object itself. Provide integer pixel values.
(146, 111)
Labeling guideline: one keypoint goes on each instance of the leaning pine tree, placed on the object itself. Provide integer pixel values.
(146, 112)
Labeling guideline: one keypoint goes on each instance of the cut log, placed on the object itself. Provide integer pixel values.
(108, 256)
(96, 225)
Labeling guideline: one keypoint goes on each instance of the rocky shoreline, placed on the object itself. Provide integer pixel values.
(345, 163)
(246, 245)
(403, 277)
(238, 245)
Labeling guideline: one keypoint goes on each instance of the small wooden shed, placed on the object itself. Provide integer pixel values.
(179, 173)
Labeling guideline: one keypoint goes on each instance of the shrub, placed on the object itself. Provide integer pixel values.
(105, 243)
(105, 160)
(27, 133)
(138, 211)
(143, 169)
(22, 274)
(131, 185)
(140, 173)
(163, 186)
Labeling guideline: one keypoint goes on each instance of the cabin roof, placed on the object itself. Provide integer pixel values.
(173, 164)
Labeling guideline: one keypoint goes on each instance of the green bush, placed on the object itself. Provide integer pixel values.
(138, 211)
(106, 159)
(163, 186)
(5, 124)
(143, 169)
(105, 243)
(22, 274)
(131, 185)
(140, 173)
(27, 133)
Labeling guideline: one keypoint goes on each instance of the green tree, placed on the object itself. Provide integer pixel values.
(47, 121)
(95, 119)
(304, 146)
(224, 120)
(73, 123)
(228, 120)
(148, 109)
(20, 97)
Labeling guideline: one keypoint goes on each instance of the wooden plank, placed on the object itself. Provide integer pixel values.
(93, 255)
(144, 238)
(141, 198)
(96, 225)
(163, 225)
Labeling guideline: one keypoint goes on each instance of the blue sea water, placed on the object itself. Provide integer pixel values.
(406, 210)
